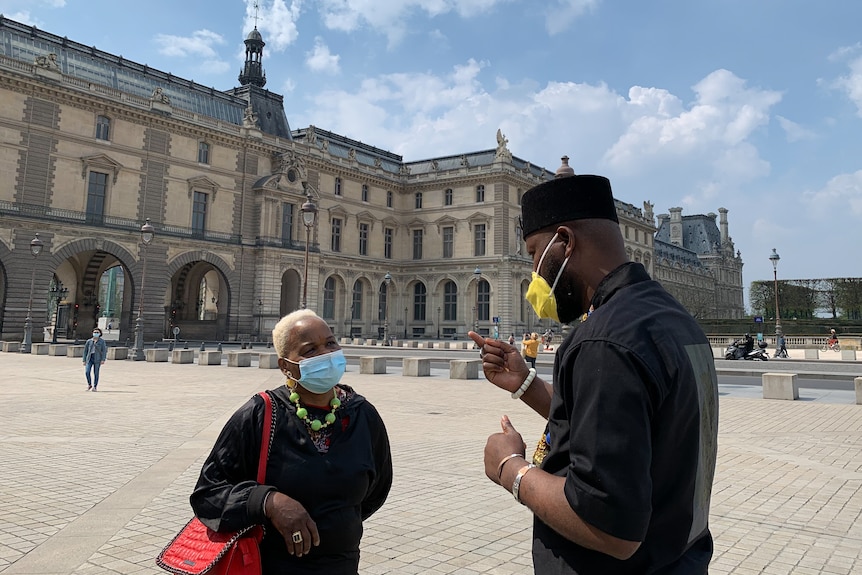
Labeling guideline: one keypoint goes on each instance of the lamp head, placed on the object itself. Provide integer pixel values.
(774, 257)
(148, 232)
(36, 246)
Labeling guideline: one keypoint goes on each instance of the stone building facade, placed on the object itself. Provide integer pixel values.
(92, 146)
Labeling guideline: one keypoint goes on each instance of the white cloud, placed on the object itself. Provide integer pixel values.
(200, 43)
(841, 194)
(276, 21)
(560, 15)
(794, 131)
(851, 84)
(320, 59)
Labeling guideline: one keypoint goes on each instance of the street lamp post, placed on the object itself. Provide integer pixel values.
(148, 232)
(352, 307)
(405, 323)
(388, 279)
(774, 257)
(36, 246)
(438, 322)
(59, 292)
(309, 212)
(477, 273)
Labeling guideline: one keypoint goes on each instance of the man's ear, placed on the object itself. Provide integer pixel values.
(566, 235)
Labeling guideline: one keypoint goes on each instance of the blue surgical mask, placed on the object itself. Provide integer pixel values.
(96, 334)
(321, 373)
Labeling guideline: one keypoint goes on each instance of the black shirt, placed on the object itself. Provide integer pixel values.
(633, 425)
(339, 488)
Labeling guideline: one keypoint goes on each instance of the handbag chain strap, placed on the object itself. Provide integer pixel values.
(266, 436)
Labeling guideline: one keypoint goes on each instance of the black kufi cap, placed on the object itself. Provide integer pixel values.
(566, 199)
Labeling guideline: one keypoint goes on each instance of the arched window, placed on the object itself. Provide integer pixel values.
(419, 300)
(356, 305)
(329, 298)
(450, 301)
(103, 128)
(448, 196)
(483, 300)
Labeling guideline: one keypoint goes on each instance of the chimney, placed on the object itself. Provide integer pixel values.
(723, 224)
(676, 226)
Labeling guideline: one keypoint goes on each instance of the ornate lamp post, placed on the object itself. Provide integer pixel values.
(309, 213)
(36, 246)
(388, 279)
(352, 307)
(774, 257)
(405, 323)
(148, 232)
(438, 322)
(59, 293)
(477, 273)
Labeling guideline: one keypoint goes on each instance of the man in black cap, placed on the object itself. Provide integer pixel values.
(622, 479)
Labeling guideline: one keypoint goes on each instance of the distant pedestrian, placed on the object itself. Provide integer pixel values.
(512, 339)
(95, 352)
(531, 349)
(110, 325)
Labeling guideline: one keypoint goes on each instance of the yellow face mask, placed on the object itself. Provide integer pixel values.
(540, 294)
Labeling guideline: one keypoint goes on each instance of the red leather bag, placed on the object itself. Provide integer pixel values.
(198, 550)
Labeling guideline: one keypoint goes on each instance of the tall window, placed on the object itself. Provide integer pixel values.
(483, 300)
(337, 186)
(448, 195)
(336, 234)
(480, 193)
(387, 243)
(97, 190)
(417, 244)
(450, 301)
(199, 213)
(364, 192)
(287, 211)
(381, 310)
(363, 239)
(479, 240)
(419, 297)
(103, 128)
(329, 298)
(203, 153)
(418, 198)
(356, 304)
(388, 198)
(448, 241)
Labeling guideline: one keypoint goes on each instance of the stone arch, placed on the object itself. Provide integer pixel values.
(200, 315)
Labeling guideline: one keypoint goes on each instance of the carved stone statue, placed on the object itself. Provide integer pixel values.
(378, 163)
(404, 170)
(324, 145)
(160, 96)
(249, 118)
(351, 154)
(48, 61)
(503, 152)
(648, 212)
(435, 165)
(464, 161)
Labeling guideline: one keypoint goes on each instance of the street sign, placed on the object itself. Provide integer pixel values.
(758, 319)
(496, 319)
(176, 331)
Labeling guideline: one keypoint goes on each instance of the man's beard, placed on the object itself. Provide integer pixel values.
(568, 294)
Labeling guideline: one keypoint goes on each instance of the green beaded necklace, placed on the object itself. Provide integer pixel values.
(316, 424)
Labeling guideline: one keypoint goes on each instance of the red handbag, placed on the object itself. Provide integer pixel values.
(198, 550)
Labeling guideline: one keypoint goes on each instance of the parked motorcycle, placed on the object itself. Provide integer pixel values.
(736, 350)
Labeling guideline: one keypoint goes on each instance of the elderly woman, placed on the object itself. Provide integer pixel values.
(329, 465)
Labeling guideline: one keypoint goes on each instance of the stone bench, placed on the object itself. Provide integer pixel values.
(857, 383)
(458, 344)
(812, 354)
(416, 366)
(465, 368)
(183, 356)
(357, 341)
(780, 386)
(239, 359)
(345, 340)
(115, 352)
(372, 364)
(57, 349)
(39, 348)
(157, 355)
(11, 346)
(267, 361)
(410, 343)
(848, 355)
(209, 358)
(370, 341)
(76, 350)
(441, 345)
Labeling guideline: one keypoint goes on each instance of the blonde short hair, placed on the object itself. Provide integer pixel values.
(281, 331)
(534, 335)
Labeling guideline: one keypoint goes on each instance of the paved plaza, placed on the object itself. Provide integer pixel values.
(96, 483)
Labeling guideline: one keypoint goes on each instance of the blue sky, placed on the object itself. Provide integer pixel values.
(754, 106)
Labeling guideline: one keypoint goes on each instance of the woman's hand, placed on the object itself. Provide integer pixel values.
(501, 362)
(293, 522)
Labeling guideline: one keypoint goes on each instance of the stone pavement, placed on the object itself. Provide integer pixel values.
(95, 483)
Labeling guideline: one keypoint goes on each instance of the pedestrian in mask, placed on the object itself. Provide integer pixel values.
(95, 353)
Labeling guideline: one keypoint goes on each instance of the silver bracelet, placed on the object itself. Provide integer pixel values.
(516, 485)
(524, 386)
(265, 499)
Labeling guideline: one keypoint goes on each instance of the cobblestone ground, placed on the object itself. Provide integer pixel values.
(95, 483)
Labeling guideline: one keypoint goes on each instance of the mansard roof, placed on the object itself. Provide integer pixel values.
(699, 233)
(676, 254)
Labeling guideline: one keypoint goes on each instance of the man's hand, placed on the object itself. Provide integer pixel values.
(290, 517)
(501, 445)
(501, 362)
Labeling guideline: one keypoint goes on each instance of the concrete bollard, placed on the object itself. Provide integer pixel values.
(156, 355)
(75, 351)
(780, 386)
(209, 358)
(12, 346)
(239, 359)
(115, 352)
(345, 341)
(267, 361)
(416, 366)
(183, 356)
(57, 349)
(812, 354)
(370, 341)
(409, 343)
(39, 348)
(857, 383)
(372, 364)
(465, 368)
(848, 355)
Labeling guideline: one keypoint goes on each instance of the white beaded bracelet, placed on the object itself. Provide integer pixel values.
(524, 386)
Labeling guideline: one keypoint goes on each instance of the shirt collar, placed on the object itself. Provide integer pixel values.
(625, 275)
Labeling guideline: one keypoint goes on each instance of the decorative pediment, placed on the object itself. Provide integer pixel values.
(390, 222)
(365, 217)
(478, 218)
(291, 166)
(202, 184)
(416, 224)
(337, 211)
(446, 221)
(101, 163)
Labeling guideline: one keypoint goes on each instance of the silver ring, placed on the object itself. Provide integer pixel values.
(297, 537)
